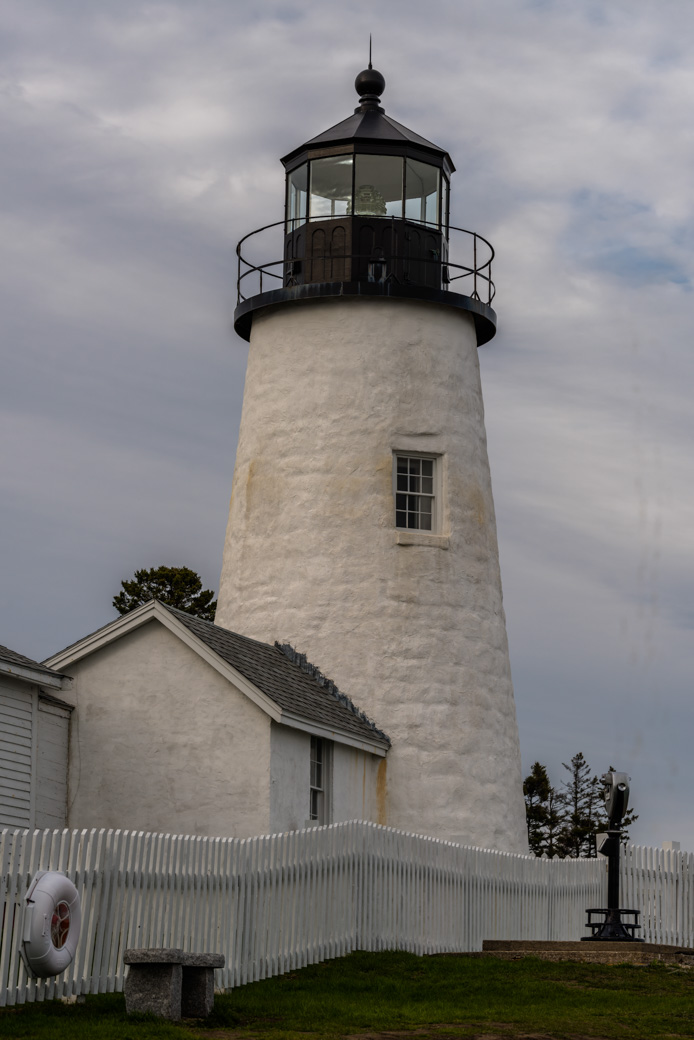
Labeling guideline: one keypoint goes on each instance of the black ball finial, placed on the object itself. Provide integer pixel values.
(370, 82)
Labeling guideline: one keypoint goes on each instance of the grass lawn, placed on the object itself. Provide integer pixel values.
(392, 994)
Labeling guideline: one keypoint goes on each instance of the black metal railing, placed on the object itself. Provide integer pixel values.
(469, 263)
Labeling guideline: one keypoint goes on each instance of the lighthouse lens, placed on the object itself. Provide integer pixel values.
(378, 186)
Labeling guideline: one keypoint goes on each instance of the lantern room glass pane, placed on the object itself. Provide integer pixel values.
(378, 185)
(331, 187)
(421, 192)
(297, 197)
(444, 203)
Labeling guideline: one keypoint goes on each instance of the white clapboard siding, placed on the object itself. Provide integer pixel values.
(51, 765)
(16, 756)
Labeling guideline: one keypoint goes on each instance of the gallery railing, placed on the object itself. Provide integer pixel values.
(462, 264)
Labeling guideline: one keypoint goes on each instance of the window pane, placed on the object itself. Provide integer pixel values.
(444, 203)
(378, 185)
(414, 492)
(331, 187)
(297, 195)
(421, 191)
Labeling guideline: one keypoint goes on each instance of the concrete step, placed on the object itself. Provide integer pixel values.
(589, 952)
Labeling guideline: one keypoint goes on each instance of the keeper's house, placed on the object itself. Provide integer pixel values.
(34, 724)
(177, 725)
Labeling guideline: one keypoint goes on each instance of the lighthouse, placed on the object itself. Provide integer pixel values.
(361, 526)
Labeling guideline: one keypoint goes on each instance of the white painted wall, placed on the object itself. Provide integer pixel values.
(289, 779)
(352, 789)
(160, 741)
(358, 785)
(414, 634)
(51, 765)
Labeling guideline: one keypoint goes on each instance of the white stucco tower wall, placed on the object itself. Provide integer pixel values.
(409, 624)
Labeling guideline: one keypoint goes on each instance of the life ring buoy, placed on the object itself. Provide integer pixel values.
(52, 920)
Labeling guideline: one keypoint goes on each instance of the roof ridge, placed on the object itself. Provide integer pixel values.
(315, 673)
(213, 624)
(9, 656)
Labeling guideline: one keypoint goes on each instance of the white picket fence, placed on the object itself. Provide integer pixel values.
(275, 903)
(660, 883)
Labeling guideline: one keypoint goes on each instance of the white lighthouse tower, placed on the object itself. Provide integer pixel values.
(361, 527)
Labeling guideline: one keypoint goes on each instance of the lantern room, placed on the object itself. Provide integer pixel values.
(367, 201)
(367, 214)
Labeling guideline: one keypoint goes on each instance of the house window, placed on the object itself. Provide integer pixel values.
(317, 806)
(415, 497)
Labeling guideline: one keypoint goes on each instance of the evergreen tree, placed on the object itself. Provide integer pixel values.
(177, 586)
(582, 794)
(555, 824)
(545, 815)
(536, 788)
(565, 822)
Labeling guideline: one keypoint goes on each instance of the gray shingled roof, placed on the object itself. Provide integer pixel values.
(295, 687)
(12, 657)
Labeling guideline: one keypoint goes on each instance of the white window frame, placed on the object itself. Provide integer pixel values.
(319, 786)
(436, 495)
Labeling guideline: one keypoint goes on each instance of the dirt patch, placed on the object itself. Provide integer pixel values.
(448, 1031)
(465, 1031)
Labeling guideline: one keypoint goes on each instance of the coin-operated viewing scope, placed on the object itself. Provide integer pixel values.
(611, 928)
(616, 794)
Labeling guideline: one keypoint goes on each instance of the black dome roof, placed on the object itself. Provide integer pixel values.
(369, 125)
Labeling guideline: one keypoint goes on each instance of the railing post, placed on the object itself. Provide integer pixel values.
(474, 264)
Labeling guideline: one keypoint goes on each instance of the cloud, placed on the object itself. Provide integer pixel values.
(141, 141)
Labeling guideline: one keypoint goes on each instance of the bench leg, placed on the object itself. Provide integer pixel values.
(197, 994)
(154, 988)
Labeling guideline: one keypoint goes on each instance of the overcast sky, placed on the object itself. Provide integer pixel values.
(140, 141)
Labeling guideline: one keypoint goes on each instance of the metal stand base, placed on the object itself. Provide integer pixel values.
(612, 928)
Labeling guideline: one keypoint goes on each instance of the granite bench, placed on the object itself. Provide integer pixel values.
(170, 983)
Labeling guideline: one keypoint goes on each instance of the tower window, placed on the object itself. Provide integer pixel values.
(415, 496)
